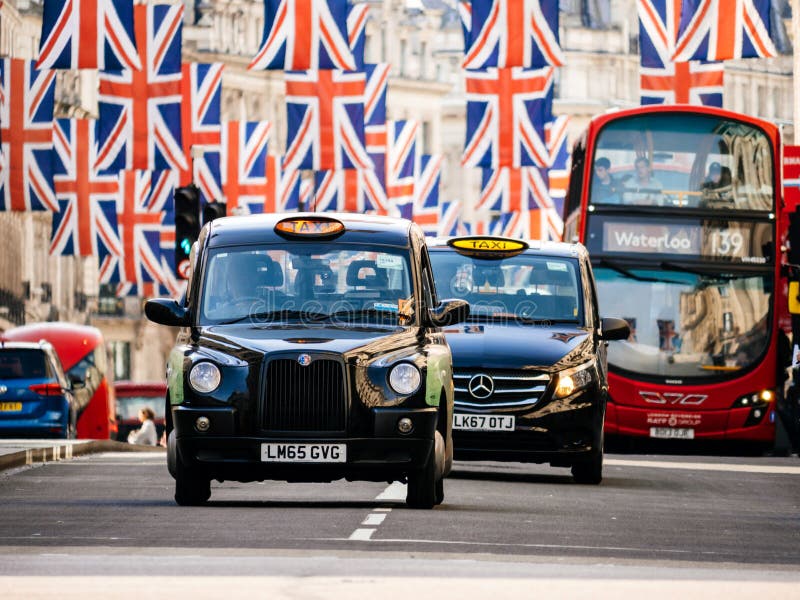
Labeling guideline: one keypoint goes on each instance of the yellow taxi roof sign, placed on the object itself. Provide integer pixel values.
(488, 246)
(309, 227)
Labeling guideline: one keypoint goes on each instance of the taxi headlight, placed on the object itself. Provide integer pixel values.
(571, 380)
(204, 377)
(404, 379)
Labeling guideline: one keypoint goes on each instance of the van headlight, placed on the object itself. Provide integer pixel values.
(571, 380)
(204, 377)
(404, 379)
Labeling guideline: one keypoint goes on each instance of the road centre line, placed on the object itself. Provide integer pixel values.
(767, 469)
(394, 491)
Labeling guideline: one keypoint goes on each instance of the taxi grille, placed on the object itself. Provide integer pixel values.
(510, 389)
(304, 399)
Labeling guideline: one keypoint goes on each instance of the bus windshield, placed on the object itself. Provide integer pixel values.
(683, 160)
(686, 324)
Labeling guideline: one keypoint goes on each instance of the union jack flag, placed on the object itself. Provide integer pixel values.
(661, 79)
(244, 165)
(426, 197)
(558, 173)
(511, 224)
(305, 34)
(401, 159)
(375, 93)
(523, 193)
(349, 190)
(723, 30)
(283, 187)
(145, 211)
(451, 221)
(325, 117)
(506, 113)
(26, 130)
(357, 32)
(87, 222)
(201, 125)
(87, 34)
(513, 33)
(140, 111)
(306, 193)
(465, 16)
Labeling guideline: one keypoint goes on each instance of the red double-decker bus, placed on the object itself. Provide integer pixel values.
(680, 208)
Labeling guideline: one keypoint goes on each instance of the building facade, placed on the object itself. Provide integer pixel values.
(421, 39)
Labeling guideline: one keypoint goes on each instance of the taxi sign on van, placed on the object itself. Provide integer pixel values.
(487, 247)
(310, 227)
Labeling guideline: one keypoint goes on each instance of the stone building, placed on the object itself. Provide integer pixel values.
(422, 41)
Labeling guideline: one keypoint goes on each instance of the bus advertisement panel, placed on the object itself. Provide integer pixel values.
(680, 209)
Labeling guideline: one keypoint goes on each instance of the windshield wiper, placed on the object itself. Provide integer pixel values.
(604, 262)
(276, 314)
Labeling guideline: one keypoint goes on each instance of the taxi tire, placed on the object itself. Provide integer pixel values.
(425, 484)
(589, 471)
(190, 489)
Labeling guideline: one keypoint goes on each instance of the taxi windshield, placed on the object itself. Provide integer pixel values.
(339, 283)
(523, 288)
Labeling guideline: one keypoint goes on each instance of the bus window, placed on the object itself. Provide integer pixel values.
(683, 160)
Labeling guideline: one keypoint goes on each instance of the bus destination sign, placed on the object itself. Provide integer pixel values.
(734, 241)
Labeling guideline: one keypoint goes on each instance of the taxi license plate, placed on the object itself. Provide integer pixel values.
(484, 422)
(10, 406)
(304, 453)
(672, 433)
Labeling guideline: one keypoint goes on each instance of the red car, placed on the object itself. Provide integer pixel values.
(131, 397)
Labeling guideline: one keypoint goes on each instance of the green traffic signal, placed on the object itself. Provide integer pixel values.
(186, 246)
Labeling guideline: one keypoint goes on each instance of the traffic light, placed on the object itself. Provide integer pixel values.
(214, 210)
(187, 226)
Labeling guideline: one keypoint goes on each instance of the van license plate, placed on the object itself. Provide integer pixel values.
(483, 422)
(672, 433)
(304, 453)
(10, 406)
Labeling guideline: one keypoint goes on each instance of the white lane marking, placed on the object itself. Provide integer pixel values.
(374, 519)
(382, 509)
(395, 491)
(362, 535)
(769, 469)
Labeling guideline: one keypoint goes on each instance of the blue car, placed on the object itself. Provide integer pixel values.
(36, 398)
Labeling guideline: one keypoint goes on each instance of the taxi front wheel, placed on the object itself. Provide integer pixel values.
(190, 489)
(589, 471)
(426, 485)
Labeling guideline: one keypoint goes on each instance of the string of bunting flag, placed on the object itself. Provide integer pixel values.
(110, 182)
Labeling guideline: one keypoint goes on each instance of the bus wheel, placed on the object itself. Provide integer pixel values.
(589, 470)
(424, 483)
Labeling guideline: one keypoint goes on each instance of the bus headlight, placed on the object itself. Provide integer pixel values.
(571, 380)
(404, 379)
(204, 377)
(761, 398)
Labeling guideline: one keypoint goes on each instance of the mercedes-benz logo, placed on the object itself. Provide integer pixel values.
(3, 389)
(481, 386)
(304, 360)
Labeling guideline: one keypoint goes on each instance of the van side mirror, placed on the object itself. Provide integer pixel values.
(449, 312)
(614, 329)
(166, 311)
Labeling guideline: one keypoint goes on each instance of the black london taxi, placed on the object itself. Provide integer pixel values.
(529, 365)
(310, 350)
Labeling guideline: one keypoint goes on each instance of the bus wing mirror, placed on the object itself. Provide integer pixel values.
(166, 311)
(449, 312)
(614, 329)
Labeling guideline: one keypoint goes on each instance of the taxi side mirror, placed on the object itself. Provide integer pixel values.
(614, 329)
(166, 311)
(449, 312)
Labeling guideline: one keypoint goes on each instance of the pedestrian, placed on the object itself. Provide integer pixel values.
(146, 434)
